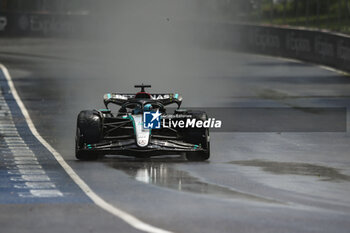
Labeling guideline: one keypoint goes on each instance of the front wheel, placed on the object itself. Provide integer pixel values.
(89, 130)
(198, 136)
(201, 155)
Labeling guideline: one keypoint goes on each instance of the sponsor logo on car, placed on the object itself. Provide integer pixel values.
(130, 96)
(160, 96)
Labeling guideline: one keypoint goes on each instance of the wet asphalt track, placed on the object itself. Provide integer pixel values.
(254, 182)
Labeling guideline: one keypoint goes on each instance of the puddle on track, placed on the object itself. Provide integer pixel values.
(163, 174)
(305, 169)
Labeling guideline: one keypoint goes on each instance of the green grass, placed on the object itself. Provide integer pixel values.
(328, 18)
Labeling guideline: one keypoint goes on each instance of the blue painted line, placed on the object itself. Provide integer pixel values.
(13, 184)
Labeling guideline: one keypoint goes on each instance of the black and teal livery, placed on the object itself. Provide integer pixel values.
(101, 132)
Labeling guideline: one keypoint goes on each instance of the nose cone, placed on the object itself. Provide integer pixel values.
(142, 134)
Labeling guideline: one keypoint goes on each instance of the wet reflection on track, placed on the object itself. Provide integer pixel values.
(305, 169)
(162, 172)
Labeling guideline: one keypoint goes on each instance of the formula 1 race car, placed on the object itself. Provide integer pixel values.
(142, 128)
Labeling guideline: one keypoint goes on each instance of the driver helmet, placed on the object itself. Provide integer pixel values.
(147, 107)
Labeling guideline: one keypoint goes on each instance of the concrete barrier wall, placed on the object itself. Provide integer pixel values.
(314, 46)
(36, 24)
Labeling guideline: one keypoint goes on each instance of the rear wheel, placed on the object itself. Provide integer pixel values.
(198, 136)
(89, 131)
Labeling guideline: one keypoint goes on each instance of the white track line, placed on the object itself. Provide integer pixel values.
(128, 218)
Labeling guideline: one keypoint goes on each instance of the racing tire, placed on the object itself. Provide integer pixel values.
(198, 136)
(89, 131)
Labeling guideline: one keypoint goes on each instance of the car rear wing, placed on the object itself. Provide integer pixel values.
(121, 98)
